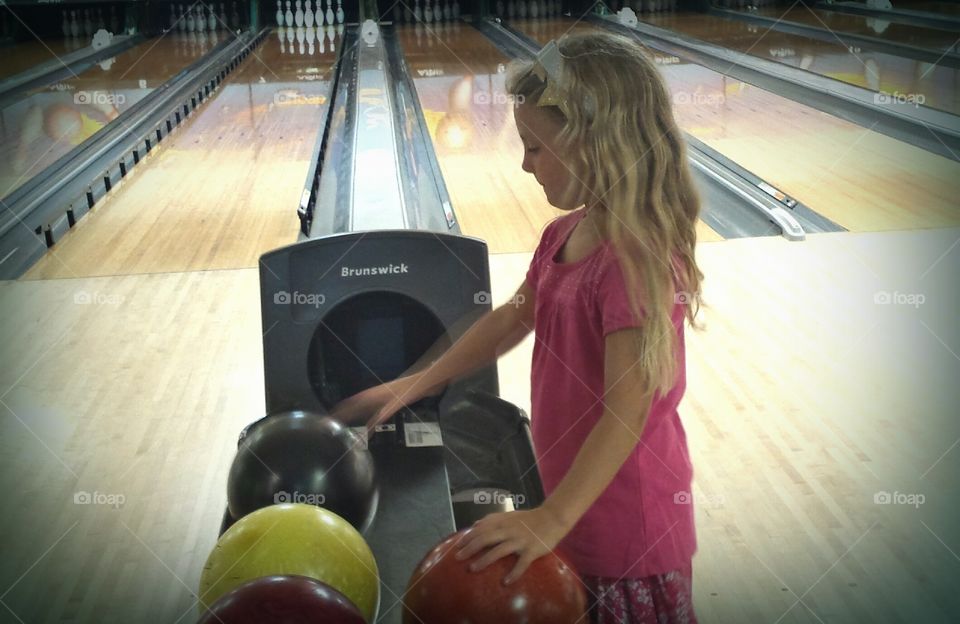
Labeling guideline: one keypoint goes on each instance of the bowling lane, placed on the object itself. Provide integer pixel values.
(860, 179)
(935, 86)
(224, 188)
(458, 75)
(951, 9)
(23, 55)
(840, 23)
(46, 123)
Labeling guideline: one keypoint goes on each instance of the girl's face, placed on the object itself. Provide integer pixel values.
(541, 156)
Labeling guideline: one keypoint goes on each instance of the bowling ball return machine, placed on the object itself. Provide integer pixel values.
(348, 311)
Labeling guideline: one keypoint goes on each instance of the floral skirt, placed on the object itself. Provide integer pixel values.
(662, 599)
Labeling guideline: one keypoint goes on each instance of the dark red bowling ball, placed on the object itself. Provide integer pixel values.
(283, 600)
(443, 590)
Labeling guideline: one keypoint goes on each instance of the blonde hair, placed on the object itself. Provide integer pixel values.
(626, 148)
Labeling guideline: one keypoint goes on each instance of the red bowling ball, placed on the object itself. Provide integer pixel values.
(283, 600)
(443, 590)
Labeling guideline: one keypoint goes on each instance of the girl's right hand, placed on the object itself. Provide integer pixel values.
(377, 404)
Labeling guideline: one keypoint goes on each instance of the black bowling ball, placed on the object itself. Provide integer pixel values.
(302, 457)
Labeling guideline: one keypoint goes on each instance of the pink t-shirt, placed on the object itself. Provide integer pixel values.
(642, 524)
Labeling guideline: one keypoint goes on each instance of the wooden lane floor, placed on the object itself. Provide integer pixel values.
(21, 56)
(860, 179)
(131, 389)
(458, 77)
(135, 386)
(840, 23)
(47, 123)
(221, 190)
(935, 86)
(951, 9)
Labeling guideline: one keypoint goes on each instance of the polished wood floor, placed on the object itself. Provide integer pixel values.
(42, 125)
(935, 86)
(220, 191)
(848, 23)
(805, 399)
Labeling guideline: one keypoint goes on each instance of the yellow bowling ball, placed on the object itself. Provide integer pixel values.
(294, 539)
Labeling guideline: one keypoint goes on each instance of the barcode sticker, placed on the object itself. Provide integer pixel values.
(422, 434)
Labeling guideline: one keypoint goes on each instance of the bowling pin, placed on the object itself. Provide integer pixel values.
(456, 9)
(329, 13)
(211, 19)
(310, 35)
(291, 35)
(511, 9)
(190, 25)
(288, 16)
(64, 24)
(534, 9)
(298, 15)
(223, 16)
(280, 35)
(340, 14)
(301, 39)
(499, 9)
(428, 13)
(308, 16)
(522, 9)
(279, 16)
(234, 16)
(331, 35)
(417, 15)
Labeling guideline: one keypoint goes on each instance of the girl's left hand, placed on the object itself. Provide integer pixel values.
(527, 534)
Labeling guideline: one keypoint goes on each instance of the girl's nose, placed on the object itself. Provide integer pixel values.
(526, 165)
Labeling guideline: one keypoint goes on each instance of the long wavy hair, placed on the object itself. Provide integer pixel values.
(622, 144)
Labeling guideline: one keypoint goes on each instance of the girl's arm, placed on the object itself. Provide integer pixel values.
(531, 534)
(495, 333)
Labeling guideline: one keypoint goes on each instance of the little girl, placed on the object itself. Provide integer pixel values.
(607, 293)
